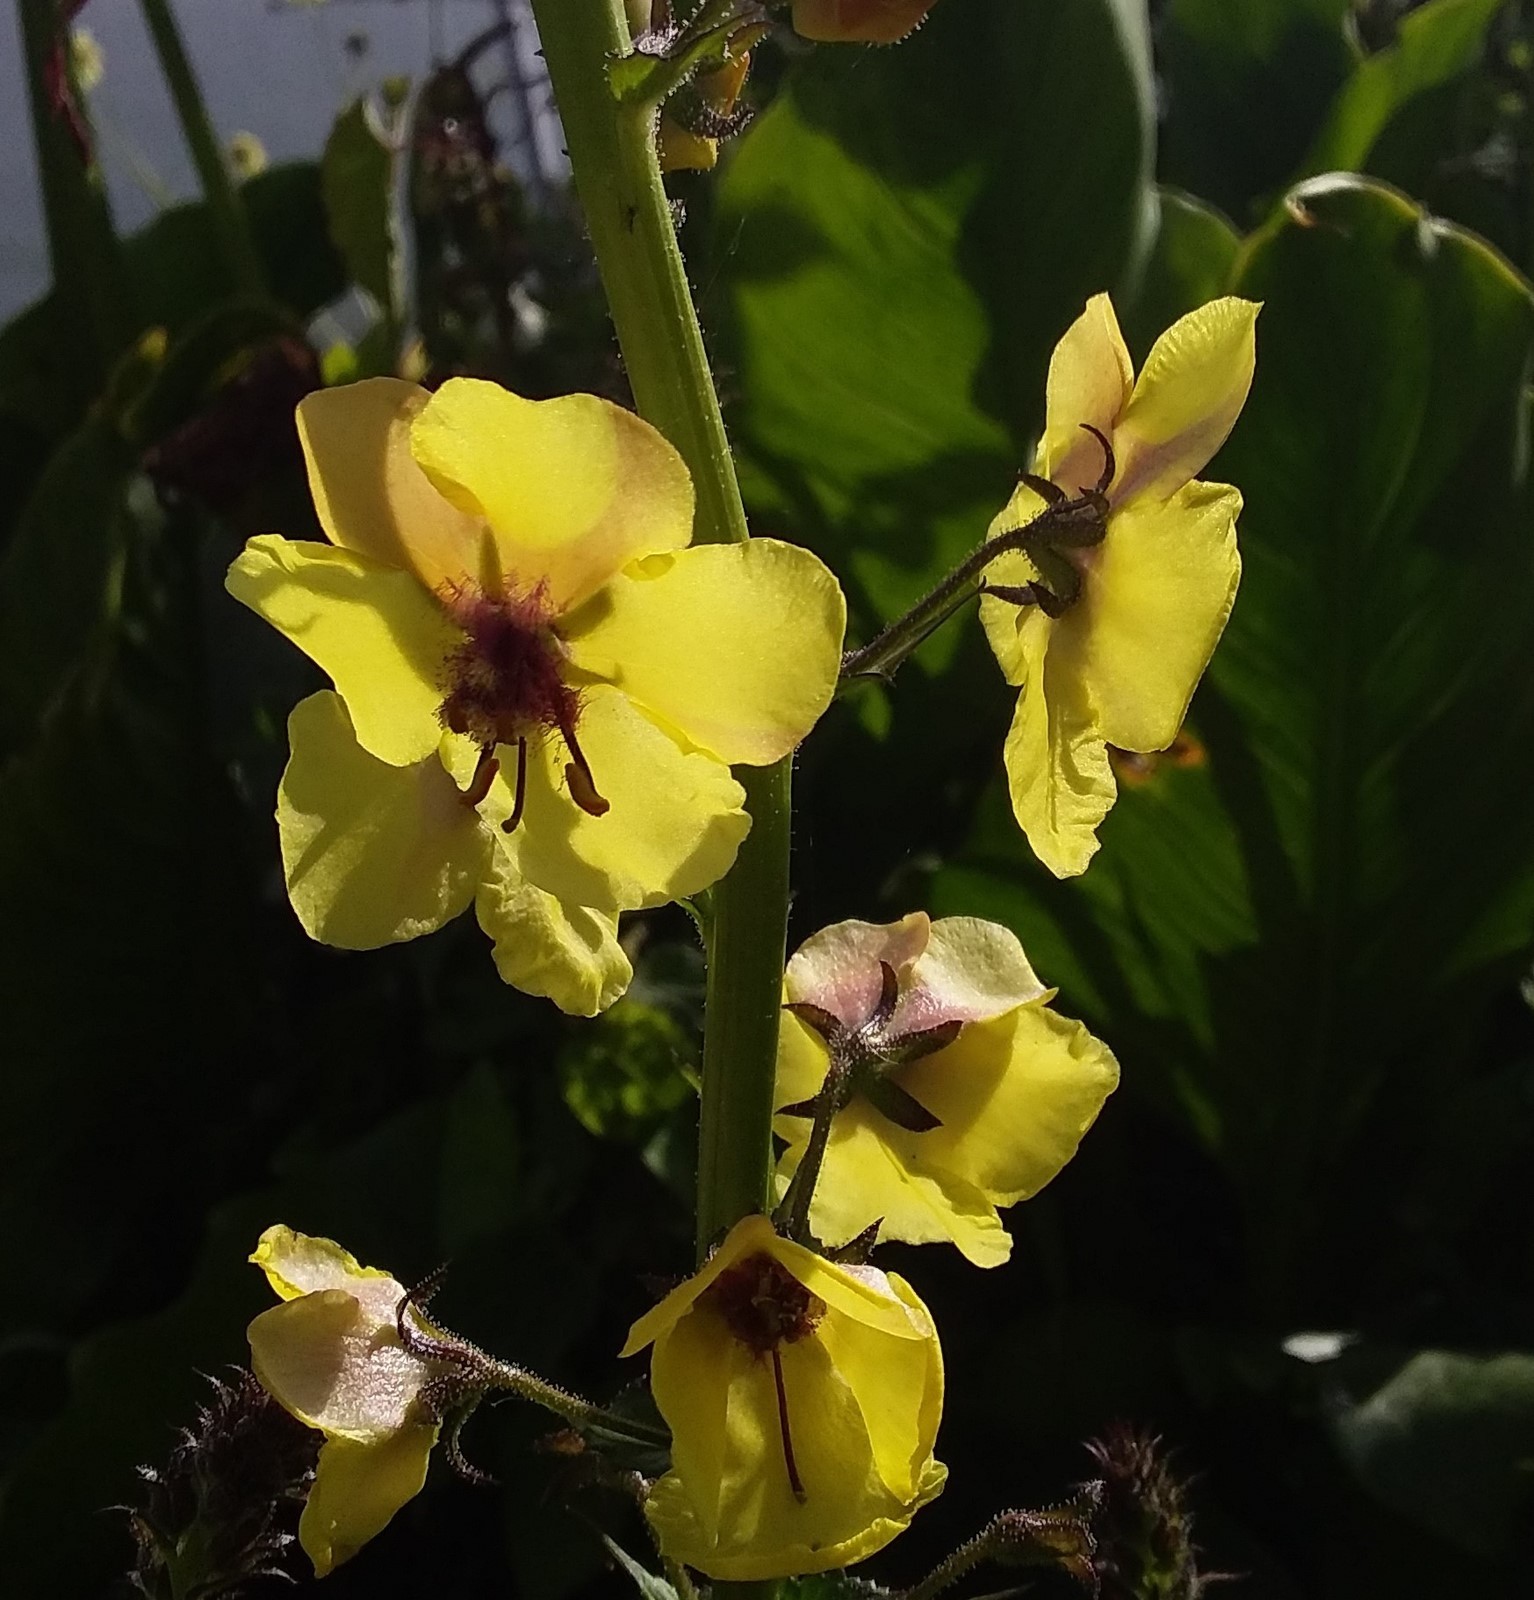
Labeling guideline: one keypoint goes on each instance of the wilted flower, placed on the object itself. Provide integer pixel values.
(803, 1399)
(865, 21)
(1127, 619)
(331, 1355)
(543, 687)
(966, 1091)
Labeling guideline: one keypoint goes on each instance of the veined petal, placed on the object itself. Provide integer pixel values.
(372, 853)
(837, 968)
(1015, 1097)
(300, 1263)
(1189, 394)
(357, 1489)
(1090, 381)
(1057, 768)
(1151, 612)
(573, 488)
(736, 645)
(377, 633)
(369, 493)
(675, 820)
(567, 953)
(334, 1360)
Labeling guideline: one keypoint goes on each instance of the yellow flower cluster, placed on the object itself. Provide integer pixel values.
(540, 688)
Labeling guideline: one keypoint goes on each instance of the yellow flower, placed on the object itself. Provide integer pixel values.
(803, 1400)
(714, 95)
(865, 21)
(1119, 662)
(331, 1355)
(970, 1092)
(541, 686)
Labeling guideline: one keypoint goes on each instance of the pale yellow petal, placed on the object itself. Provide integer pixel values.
(379, 635)
(970, 970)
(1189, 394)
(748, 1237)
(357, 1489)
(300, 1263)
(369, 493)
(845, 1290)
(675, 819)
(1057, 768)
(838, 970)
(1015, 1097)
(858, 21)
(567, 953)
(573, 488)
(802, 1063)
(372, 853)
(737, 646)
(334, 1360)
(1014, 633)
(1155, 602)
(1090, 381)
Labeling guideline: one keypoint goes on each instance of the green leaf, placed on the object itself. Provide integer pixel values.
(648, 1584)
(1323, 893)
(890, 312)
(357, 177)
(1449, 1442)
(1436, 43)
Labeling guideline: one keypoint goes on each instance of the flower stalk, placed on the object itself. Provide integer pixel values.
(628, 216)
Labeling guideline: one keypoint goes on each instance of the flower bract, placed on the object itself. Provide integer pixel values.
(1118, 662)
(541, 685)
(974, 1092)
(803, 1399)
(858, 21)
(331, 1355)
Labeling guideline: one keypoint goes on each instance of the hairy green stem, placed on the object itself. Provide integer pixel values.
(612, 152)
(231, 227)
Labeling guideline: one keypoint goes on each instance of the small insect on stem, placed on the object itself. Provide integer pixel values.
(794, 1481)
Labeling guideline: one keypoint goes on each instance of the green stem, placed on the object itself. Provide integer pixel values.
(89, 277)
(231, 227)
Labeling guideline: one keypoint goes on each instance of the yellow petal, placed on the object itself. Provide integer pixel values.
(369, 493)
(858, 21)
(865, 1180)
(300, 1263)
(1189, 394)
(1015, 1096)
(377, 633)
(802, 1063)
(1013, 632)
(333, 1358)
(675, 820)
(898, 1387)
(971, 970)
(357, 1489)
(748, 1236)
(838, 968)
(1090, 381)
(1057, 767)
(372, 853)
(691, 1373)
(1151, 612)
(736, 645)
(567, 953)
(573, 488)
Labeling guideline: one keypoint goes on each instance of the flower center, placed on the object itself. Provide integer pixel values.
(503, 685)
(765, 1306)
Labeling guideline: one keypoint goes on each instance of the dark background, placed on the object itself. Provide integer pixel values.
(1307, 935)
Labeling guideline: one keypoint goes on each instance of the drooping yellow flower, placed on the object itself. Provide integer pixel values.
(330, 1354)
(803, 1400)
(969, 1092)
(509, 601)
(1118, 662)
(859, 21)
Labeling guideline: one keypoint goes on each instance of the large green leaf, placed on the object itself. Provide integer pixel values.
(1325, 900)
(903, 236)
